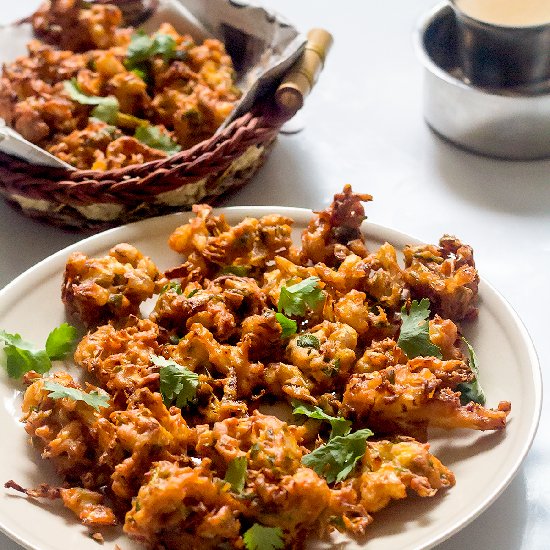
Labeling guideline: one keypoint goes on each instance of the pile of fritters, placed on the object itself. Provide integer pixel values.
(186, 97)
(160, 471)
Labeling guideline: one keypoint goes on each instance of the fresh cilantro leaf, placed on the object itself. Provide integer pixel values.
(60, 341)
(336, 459)
(139, 48)
(106, 108)
(340, 426)
(107, 112)
(414, 337)
(21, 356)
(294, 299)
(238, 270)
(142, 48)
(141, 72)
(76, 94)
(308, 341)
(154, 137)
(95, 399)
(164, 45)
(471, 391)
(177, 384)
(236, 473)
(289, 326)
(259, 537)
(172, 285)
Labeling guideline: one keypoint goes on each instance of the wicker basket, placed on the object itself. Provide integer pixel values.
(92, 200)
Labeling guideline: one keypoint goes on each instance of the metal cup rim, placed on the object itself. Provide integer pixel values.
(460, 13)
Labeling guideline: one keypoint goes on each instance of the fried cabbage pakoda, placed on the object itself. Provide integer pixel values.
(268, 390)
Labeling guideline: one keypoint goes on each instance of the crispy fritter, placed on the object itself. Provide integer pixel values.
(329, 354)
(279, 491)
(101, 147)
(269, 444)
(135, 438)
(221, 307)
(289, 382)
(97, 290)
(210, 244)
(445, 274)
(121, 358)
(184, 507)
(335, 232)
(408, 398)
(65, 23)
(64, 430)
(87, 505)
(389, 469)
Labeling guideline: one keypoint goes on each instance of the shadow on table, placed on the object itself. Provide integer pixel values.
(502, 526)
(284, 180)
(508, 186)
(25, 242)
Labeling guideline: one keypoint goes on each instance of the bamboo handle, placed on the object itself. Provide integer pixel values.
(297, 84)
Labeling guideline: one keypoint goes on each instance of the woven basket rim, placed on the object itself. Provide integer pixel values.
(139, 182)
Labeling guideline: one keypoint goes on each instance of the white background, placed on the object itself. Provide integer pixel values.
(364, 126)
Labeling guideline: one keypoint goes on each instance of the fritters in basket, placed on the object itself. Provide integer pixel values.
(100, 96)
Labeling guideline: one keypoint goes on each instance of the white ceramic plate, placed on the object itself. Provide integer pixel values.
(484, 463)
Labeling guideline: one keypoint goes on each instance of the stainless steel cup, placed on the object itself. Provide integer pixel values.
(510, 123)
(498, 56)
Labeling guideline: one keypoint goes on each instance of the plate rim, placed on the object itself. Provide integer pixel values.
(108, 238)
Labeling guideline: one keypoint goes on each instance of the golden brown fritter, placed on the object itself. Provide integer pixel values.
(135, 438)
(289, 382)
(64, 430)
(444, 334)
(121, 358)
(328, 356)
(221, 307)
(88, 506)
(408, 398)
(67, 24)
(100, 146)
(279, 491)
(380, 355)
(445, 274)
(199, 349)
(97, 290)
(211, 244)
(388, 470)
(184, 507)
(335, 232)
(268, 443)
(262, 335)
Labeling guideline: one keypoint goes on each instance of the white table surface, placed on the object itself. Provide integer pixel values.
(364, 126)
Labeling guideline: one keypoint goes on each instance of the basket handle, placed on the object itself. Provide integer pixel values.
(301, 78)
